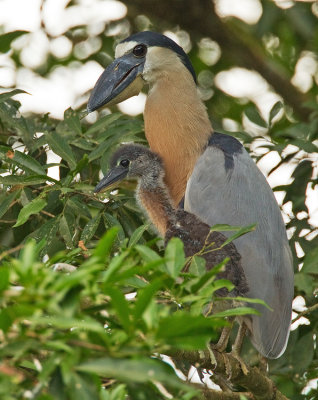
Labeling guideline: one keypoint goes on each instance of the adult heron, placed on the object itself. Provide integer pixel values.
(208, 173)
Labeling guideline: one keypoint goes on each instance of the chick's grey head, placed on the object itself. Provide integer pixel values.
(133, 161)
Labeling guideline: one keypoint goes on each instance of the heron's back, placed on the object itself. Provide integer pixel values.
(227, 187)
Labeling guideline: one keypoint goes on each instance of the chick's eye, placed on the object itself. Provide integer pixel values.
(124, 163)
(140, 50)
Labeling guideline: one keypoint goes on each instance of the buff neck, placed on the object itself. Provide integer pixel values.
(156, 201)
(177, 127)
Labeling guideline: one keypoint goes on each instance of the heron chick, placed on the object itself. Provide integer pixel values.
(135, 161)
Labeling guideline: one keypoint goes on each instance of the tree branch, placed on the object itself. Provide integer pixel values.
(255, 382)
(200, 19)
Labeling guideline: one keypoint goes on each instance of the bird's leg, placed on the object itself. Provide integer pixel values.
(263, 364)
(220, 346)
(236, 348)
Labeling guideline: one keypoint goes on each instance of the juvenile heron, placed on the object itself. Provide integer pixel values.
(208, 173)
(135, 161)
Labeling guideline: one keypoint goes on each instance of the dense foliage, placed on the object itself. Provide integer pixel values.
(83, 311)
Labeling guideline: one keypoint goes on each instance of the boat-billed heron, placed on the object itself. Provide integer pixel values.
(135, 161)
(208, 173)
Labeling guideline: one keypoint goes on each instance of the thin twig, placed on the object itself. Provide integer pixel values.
(305, 312)
(8, 252)
(48, 214)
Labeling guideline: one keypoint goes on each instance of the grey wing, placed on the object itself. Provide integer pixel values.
(227, 187)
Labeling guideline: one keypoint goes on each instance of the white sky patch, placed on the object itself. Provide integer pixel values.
(59, 19)
(20, 15)
(59, 91)
(133, 106)
(249, 11)
(305, 72)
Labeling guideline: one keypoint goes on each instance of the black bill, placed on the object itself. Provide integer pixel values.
(118, 82)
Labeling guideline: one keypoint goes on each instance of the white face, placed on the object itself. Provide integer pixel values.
(159, 61)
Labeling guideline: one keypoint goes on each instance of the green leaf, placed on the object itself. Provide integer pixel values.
(174, 256)
(7, 38)
(145, 296)
(98, 151)
(235, 311)
(133, 370)
(304, 282)
(103, 123)
(275, 110)
(4, 278)
(254, 116)
(46, 232)
(105, 244)
(5, 320)
(78, 207)
(240, 232)
(77, 277)
(303, 352)
(90, 228)
(137, 235)
(115, 264)
(85, 324)
(197, 266)
(72, 120)
(28, 163)
(311, 262)
(248, 300)
(66, 228)
(60, 146)
(147, 254)
(83, 387)
(6, 201)
(186, 331)
(121, 305)
(11, 180)
(33, 207)
(7, 95)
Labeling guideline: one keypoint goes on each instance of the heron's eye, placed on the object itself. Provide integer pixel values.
(140, 50)
(124, 163)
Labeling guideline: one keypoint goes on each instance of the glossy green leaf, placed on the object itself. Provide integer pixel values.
(103, 123)
(239, 233)
(145, 296)
(6, 200)
(7, 38)
(132, 370)
(66, 228)
(11, 180)
(105, 244)
(187, 331)
(28, 163)
(174, 256)
(87, 324)
(90, 228)
(147, 254)
(137, 235)
(4, 278)
(34, 207)
(236, 311)
(275, 110)
(7, 95)
(121, 305)
(71, 118)
(254, 116)
(303, 352)
(60, 146)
